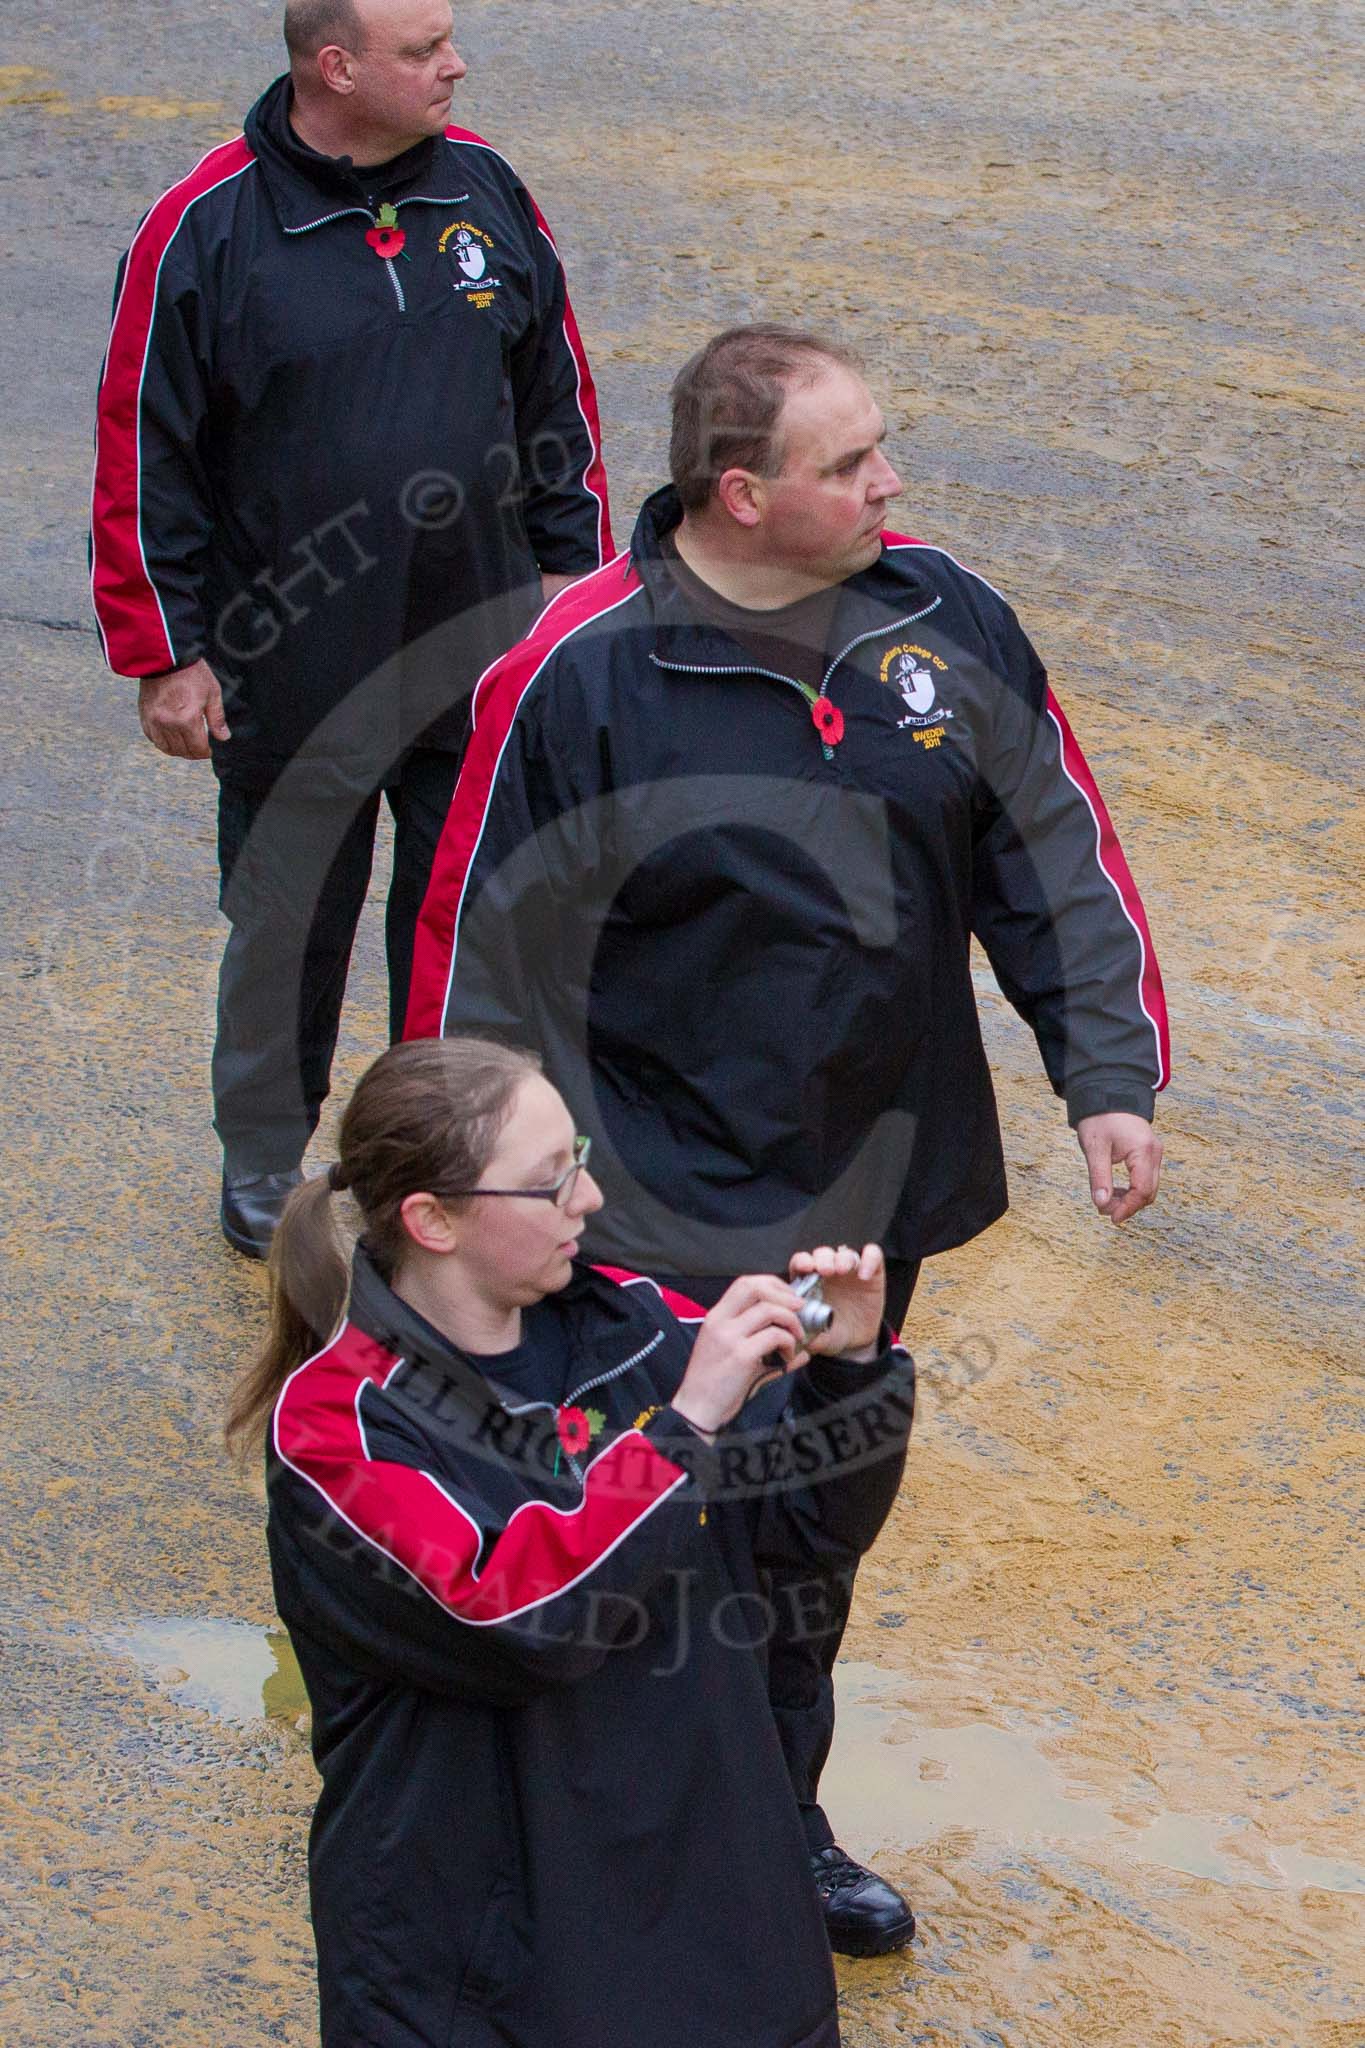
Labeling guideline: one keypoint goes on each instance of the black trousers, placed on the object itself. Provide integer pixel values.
(296, 864)
(811, 1612)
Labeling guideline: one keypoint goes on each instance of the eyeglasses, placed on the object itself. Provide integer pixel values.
(560, 1193)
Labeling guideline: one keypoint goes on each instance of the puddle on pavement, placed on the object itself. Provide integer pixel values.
(894, 1784)
(228, 1669)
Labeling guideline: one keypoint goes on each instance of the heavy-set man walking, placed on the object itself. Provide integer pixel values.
(347, 445)
(728, 820)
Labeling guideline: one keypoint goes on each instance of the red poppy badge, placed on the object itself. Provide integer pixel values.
(829, 721)
(575, 1430)
(386, 238)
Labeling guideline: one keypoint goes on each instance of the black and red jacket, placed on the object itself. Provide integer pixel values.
(742, 944)
(311, 456)
(554, 1808)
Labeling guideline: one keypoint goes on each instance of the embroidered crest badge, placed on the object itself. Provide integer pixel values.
(916, 673)
(470, 250)
(916, 685)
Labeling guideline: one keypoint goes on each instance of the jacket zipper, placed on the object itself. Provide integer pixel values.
(413, 199)
(323, 221)
(876, 634)
(577, 1393)
(694, 668)
(602, 1378)
(810, 696)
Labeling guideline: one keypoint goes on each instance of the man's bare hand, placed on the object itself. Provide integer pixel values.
(1120, 1139)
(178, 711)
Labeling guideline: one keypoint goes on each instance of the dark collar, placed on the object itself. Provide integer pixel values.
(309, 188)
(598, 1314)
(873, 603)
(385, 1316)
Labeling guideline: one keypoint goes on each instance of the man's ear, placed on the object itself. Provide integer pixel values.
(429, 1223)
(742, 495)
(335, 69)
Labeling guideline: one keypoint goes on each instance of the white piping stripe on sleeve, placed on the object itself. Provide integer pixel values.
(574, 589)
(141, 382)
(594, 448)
(1161, 1069)
(563, 641)
(1084, 795)
(928, 547)
(512, 1614)
(147, 222)
(360, 1387)
(595, 451)
(647, 1280)
(283, 1394)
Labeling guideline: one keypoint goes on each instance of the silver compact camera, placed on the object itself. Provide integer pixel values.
(814, 1313)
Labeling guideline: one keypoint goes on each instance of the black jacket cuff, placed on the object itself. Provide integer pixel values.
(1099, 1098)
(833, 1379)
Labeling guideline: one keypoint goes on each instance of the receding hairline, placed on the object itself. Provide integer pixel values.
(311, 25)
(730, 398)
(807, 371)
(796, 356)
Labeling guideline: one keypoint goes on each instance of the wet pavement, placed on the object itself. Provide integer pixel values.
(1102, 1695)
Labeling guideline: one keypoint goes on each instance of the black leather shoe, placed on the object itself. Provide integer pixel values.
(864, 1915)
(252, 1206)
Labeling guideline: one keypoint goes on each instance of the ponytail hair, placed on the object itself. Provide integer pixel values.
(424, 1119)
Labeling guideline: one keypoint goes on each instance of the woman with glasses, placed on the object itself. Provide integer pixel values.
(518, 1510)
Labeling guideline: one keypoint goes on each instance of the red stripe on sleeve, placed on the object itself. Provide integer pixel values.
(1151, 994)
(594, 475)
(131, 620)
(497, 699)
(685, 1309)
(407, 1514)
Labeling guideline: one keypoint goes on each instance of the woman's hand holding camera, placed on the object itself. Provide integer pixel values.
(754, 1331)
(854, 1286)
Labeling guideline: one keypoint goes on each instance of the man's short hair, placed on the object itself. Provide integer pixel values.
(310, 25)
(728, 398)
